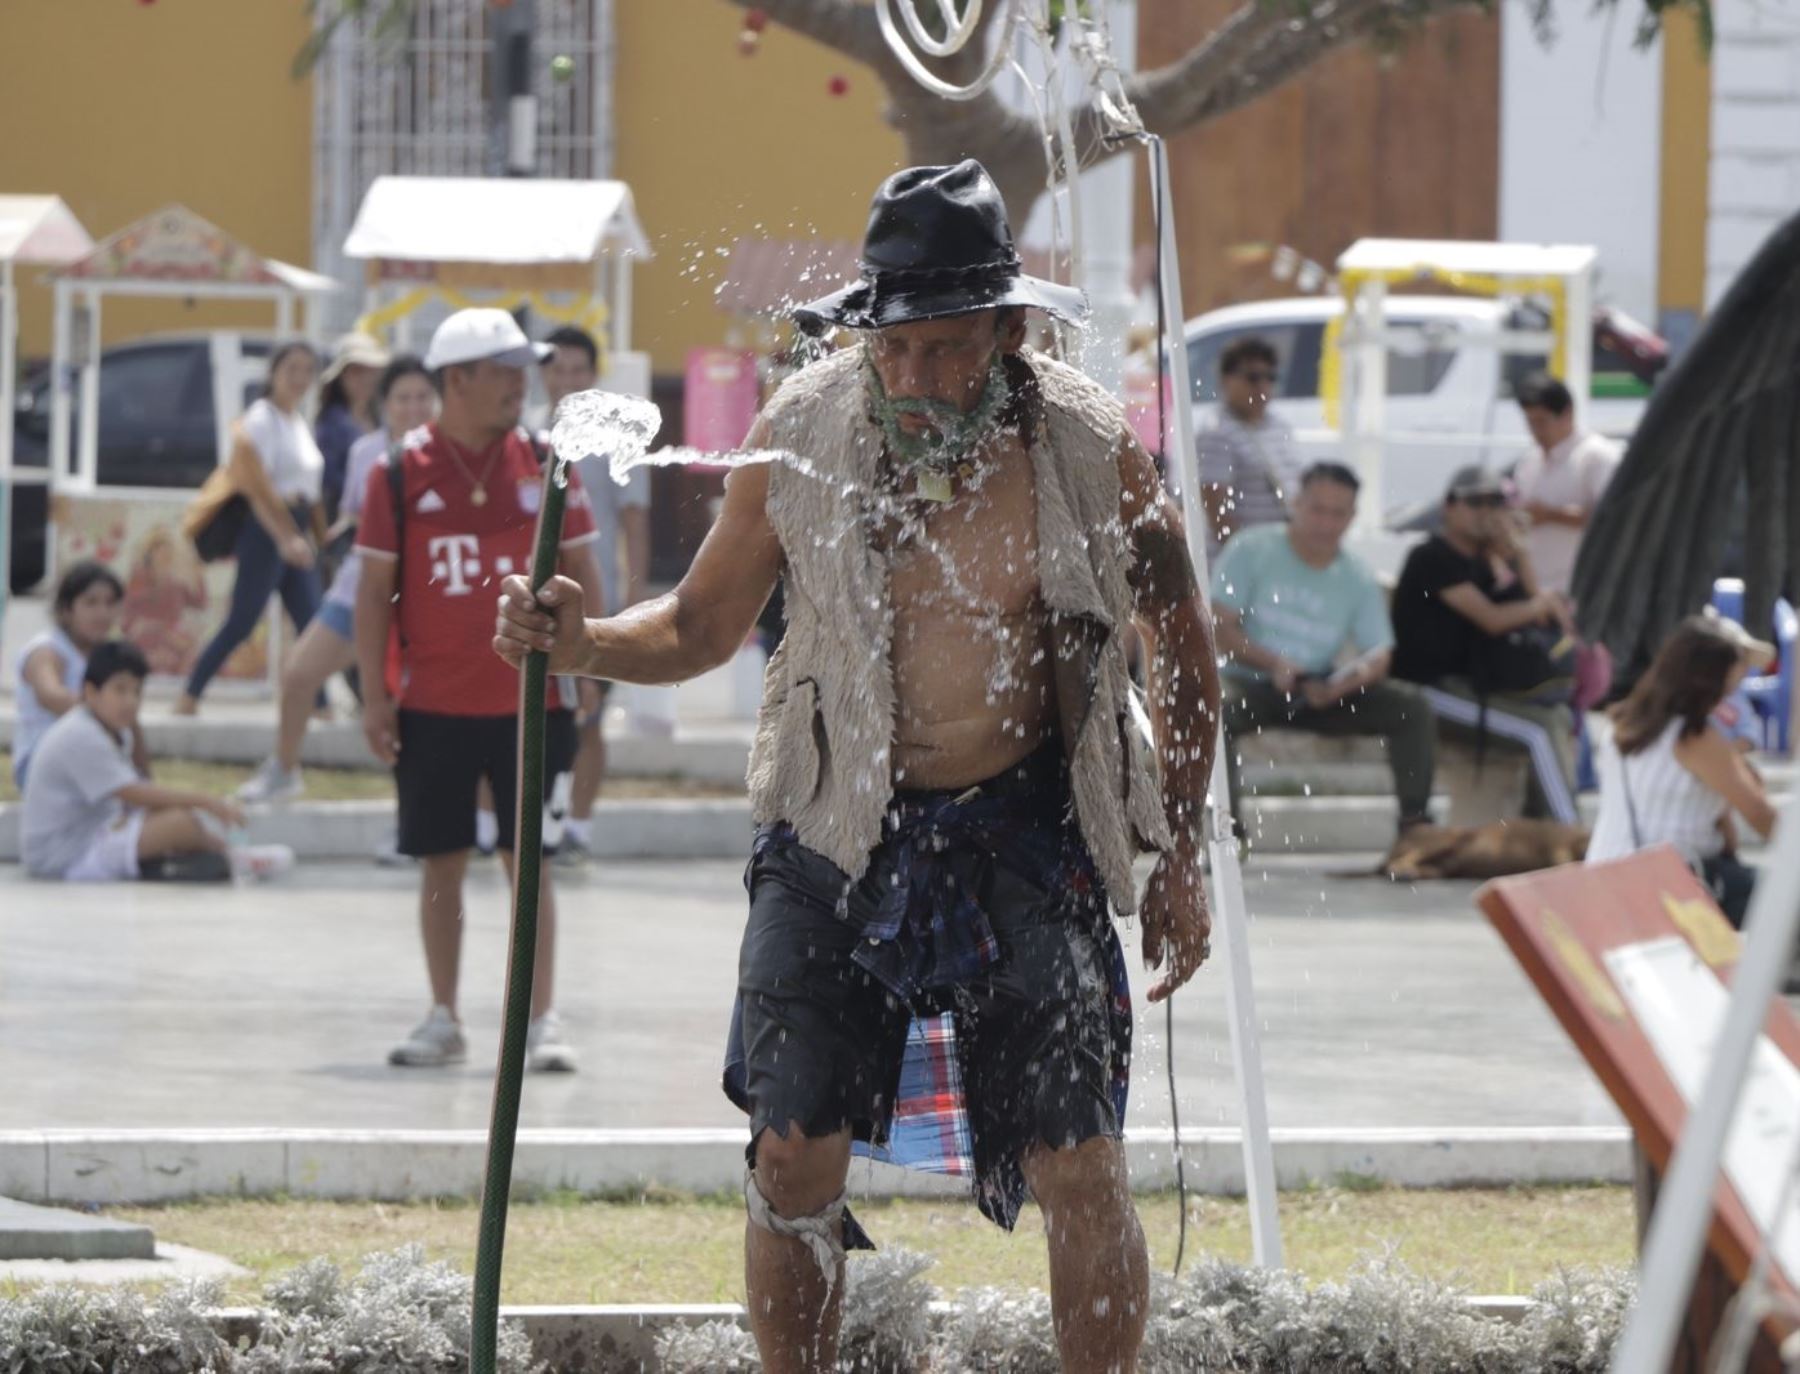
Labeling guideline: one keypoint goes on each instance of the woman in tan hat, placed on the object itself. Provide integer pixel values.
(346, 407)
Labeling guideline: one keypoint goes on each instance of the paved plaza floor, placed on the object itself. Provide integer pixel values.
(173, 1007)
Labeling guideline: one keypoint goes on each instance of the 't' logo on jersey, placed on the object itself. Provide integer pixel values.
(455, 562)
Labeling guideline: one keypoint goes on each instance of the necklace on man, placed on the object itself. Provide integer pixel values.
(477, 488)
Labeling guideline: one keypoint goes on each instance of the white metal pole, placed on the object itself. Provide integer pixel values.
(284, 317)
(9, 340)
(618, 325)
(1578, 341)
(1367, 325)
(90, 396)
(61, 337)
(1231, 915)
(1684, 1206)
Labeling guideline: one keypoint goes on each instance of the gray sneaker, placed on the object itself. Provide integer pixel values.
(572, 852)
(545, 1050)
(438, 1040)
(272, 783)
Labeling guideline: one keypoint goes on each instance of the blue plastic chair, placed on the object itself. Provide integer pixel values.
(1772, 694)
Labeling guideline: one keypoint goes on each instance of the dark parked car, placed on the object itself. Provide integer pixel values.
(158, 427)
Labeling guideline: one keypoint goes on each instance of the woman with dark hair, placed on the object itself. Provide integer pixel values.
(347, 408)
(1668, 775)
(47, 680)
(408, 402)
(276, 467)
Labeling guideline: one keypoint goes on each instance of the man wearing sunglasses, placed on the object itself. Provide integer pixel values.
(1248, 464)
(1468, 599)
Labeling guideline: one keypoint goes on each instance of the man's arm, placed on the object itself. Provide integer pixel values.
(1496, 618)
(373, 619)
(1184, 708)
(672, 638)
(634, 529)
(1234, 642)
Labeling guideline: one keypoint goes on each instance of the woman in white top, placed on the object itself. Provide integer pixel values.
(1669, 775)
(47, 681)
(275, 549)
(408, 401)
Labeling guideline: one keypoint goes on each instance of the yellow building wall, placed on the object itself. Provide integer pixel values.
(716, 145)
(122, 107)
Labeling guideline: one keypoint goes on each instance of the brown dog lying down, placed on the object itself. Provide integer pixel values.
(1484, 851)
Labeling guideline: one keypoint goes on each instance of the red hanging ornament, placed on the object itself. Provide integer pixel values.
(838, 85)
(756, 20)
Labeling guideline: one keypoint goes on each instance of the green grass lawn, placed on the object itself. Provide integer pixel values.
(681, 1249)
(348, 784)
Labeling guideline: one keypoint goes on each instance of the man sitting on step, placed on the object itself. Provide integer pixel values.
(1288, 601)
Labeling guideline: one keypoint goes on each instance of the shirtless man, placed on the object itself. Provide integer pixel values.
(948, 782)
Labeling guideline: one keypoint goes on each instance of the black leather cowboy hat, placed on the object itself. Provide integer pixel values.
(937, 245)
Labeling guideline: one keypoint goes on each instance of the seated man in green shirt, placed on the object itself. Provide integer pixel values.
(1287, 601)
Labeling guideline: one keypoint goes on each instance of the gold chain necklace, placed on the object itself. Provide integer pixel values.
(477, 488)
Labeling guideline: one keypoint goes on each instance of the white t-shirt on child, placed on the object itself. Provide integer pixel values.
(71, 793)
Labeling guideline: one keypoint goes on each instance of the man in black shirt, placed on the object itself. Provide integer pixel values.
(1472, 584)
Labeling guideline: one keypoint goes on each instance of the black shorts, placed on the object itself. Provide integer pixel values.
(823, 1040)
(442, 762)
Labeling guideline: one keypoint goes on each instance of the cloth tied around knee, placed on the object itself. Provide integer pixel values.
(822, 1233)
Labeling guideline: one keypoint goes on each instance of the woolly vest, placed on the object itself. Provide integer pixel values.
(821, 760)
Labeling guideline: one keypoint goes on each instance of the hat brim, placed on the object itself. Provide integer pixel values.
(525, 355)
(336, 369)
(860, 306)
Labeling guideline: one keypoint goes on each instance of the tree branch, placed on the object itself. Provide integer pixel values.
(842, 25)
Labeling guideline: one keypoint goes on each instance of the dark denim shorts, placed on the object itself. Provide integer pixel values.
(823, 1038)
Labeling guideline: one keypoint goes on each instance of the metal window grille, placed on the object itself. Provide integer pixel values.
(420, 106)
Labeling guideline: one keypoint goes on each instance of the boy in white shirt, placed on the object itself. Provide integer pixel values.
(91, 816)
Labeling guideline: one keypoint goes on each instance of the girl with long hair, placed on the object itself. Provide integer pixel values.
(408, 401)
(1669, 775)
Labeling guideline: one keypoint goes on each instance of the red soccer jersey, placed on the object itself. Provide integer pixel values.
(457, 551)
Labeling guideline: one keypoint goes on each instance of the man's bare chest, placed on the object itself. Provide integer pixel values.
(976, 554)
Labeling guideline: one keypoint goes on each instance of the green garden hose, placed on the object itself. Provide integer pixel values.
(503, 1125)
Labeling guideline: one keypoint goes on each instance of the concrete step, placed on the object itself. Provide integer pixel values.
(712, 752)
(720, 828)
(29, 1232)
(691, 828)
(1324, 824)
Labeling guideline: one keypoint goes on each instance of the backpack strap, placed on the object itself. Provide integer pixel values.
(396, 475)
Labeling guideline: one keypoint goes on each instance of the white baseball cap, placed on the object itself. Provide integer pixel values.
(486, 334)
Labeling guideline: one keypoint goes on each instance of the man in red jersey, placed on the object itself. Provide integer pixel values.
(472, 486)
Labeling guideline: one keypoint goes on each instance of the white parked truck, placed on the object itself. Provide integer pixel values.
(1449, 394)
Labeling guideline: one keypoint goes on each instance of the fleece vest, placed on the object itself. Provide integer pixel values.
(821, 759)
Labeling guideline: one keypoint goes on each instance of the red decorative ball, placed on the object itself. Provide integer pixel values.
(748, 43)
(838, 85)
(756, 20)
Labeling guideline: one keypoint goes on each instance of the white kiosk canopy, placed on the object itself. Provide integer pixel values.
(172, 252)
(522, 240)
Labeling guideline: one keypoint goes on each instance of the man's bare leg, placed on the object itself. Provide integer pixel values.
(543, 967)
(1099, 1267)
(794, 1313)
(590, 772)
(440, 922)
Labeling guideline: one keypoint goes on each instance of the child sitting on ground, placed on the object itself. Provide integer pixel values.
(47, 681)
(91, 814)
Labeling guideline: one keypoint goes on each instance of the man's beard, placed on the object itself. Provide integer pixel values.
(954, 435)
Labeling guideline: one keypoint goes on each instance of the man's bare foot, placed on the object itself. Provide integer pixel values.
(186, 705)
